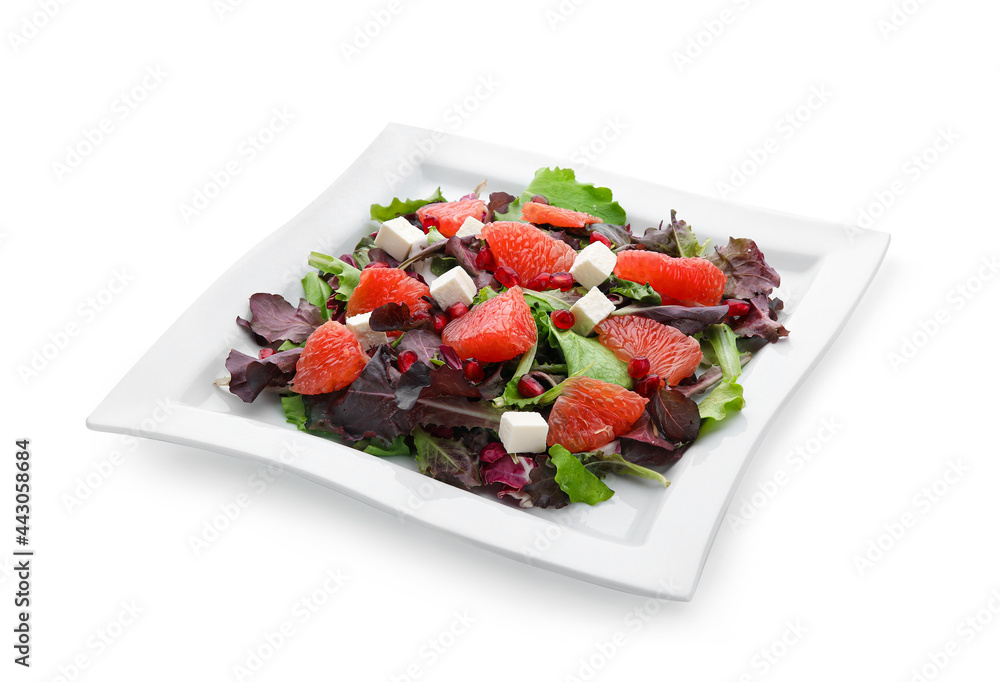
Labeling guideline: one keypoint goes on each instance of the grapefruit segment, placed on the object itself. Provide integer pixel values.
(590, 413)
(544, 214)
(672, 354)
(498, 329)
(527, 250)
(331, 360)
(448, 217)
(690, 281)
(379, 286)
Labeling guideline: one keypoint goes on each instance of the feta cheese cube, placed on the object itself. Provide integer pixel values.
(397, 237)
(593, 265)
(358, 325)
(454, 286)
(523, 432)
(590, 310)
(470, 228)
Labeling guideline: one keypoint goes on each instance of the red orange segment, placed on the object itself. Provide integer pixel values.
(690, 281)
(331, 360)
(527, 250)
(495, 330)
(448, 217)
(544, 214)
(672, 354)
(591, 413)
(379, 286)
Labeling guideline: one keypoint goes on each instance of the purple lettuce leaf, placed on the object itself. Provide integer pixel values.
(499, 203)
(366, 409)
(675, 239)
(508, 472)
(688, 320)
(675, 415)
(542, 490)
(275, 320)
(456, 411)
(748, 274)
(465, 250)
(761, 321)
(250, 376)
(423, 342)
(643, 446)
(620, 235)
(423, 381)
(393, 317)
(447, 460)
(566, 238)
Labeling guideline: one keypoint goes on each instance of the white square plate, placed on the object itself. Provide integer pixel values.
(645, 540)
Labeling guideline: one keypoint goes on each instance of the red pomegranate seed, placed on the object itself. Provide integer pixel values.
(598, 237)
(737, 308)
(374, 234)
(540, 283)
(376, 264)
(473, 371)
(507, 277)
(638, 367)
(406, 360)
(485, 259)
(492, 452)
(429, 222)
(529, 387)
(440, 322)
(563, 319)
(457, 310)
(266, 353)
(450, 357)
(421, 315)
(647, 386)
(563, 281)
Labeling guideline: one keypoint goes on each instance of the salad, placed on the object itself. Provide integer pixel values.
(526, 346)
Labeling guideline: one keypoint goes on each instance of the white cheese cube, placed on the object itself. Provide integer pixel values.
(358, 325)
(593, 265)
(397, 237)
(470, 228)
(454, 286)
(590, 310)
(523, 432)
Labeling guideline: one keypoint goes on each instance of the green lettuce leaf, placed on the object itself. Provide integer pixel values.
(602, 463)
(727, 395)
(398, 447)
(348, 276)
(575, 480)
(585, 356)
(446, 460)
(399, 207)
(295, 411)
(317, 291)
(561, 188)
(641, 293)
(723, 344)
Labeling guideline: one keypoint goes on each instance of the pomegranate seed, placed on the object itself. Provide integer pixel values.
(648, 385)
(457, 310)
(529, 387)
(376, 264)
(563, 319)
(737, 308)
(374, 234)
(598, 237)
(540, 282)
(440, 322)
(539, 199)
(406, 360)
(421, 315)
(266, 353)
(563, 281)
(473, 371)
(492, 452)
(638, 367)
(485, 259)
(507, 277)
(450, 357)
(429, 222)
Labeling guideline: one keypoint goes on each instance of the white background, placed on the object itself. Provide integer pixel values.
(560, 81)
